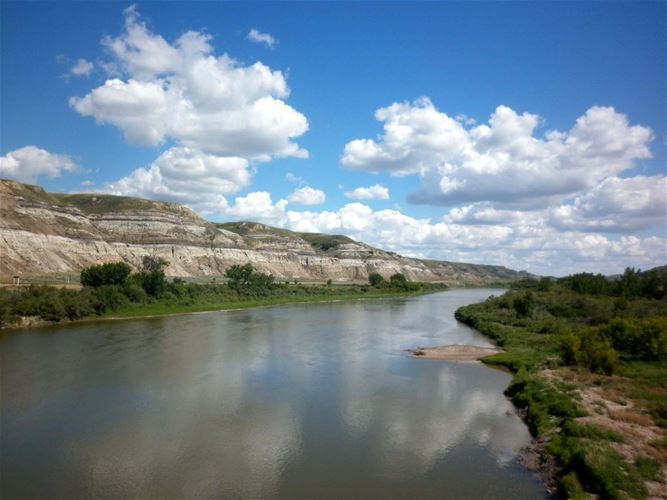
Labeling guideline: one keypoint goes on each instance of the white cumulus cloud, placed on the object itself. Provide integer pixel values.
(616, 205)
(475, 234)
(29, 163)
(82, 67)
(503, 161)
(257, 207)
(188, 176)
(519, 242)
(307, 196)
(263, 38)
(219, 116)
(483, 213)
(375, 192)
(182, 91)
(291, 177)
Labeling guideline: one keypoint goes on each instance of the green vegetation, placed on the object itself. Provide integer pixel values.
(109, 291)
(152, 277)
(396, 281)
(376, 280)
(319, 241)
(105, 203)
(113, 273)
(31, 192)
(249, 283)
(245, 228)
(565, 336)
(324, 242)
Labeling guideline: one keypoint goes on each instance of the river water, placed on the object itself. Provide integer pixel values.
(297, 401)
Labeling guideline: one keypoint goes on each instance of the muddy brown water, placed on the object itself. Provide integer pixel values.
(298, 401)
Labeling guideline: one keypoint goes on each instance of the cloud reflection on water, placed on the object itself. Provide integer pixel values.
(249, 403)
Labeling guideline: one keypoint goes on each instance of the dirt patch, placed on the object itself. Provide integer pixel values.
(609, 408)
(535, 458)
(455, 352)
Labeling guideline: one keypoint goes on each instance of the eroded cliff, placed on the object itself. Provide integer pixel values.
(42, 233)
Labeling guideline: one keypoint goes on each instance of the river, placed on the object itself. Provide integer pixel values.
(297, 401)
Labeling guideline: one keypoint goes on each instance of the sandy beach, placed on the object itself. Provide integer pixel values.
(454, 352)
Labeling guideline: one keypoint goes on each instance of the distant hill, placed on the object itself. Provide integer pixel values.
(52, 233)
(660, 270)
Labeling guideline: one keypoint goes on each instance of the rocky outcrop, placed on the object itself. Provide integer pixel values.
(44, 233)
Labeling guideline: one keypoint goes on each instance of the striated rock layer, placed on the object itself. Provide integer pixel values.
(43, 233)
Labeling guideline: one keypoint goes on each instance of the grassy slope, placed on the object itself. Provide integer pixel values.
(104, 203)
(587, 455)
(318, 241)
(29, 192)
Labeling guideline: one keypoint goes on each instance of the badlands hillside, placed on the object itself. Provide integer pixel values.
(45, 233)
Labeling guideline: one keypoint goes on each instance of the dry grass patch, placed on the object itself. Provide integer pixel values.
(610, 405)
(631, 417)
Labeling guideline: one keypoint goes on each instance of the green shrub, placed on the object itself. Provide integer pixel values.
(549, 325)
(544, 285)
(648, 468)
(398, 280)
(587, 283)
(51, 308)
(152, 275)
(109, 297)
(7, 314)
(135, 293)
(524, 304)
(603, 471)
(78, 304)
(571, 488)
(591, 432)
(375, 279)
(546, 406)
(247, 282)
(112, 273)
(589, 349)
(646, 339)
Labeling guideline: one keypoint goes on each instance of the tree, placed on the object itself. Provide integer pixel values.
(524, 304)
(398, 280)
(375, 279)
(238, 277)
(260, 284)
(544, 285)
(152, 274)
(629, 283)
(245, 281)
(111, 273)
(587, 283)
(588, 348)
(653, 285)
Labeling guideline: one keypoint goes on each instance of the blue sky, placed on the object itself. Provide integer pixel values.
(447, 106)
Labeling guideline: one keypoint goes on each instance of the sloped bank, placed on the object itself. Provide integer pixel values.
(13, 316)
(593, 433)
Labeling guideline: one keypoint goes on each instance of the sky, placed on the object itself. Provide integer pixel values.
(524, 134)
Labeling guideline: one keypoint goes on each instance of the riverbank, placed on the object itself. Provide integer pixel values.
(158, 309)
(598, 418)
